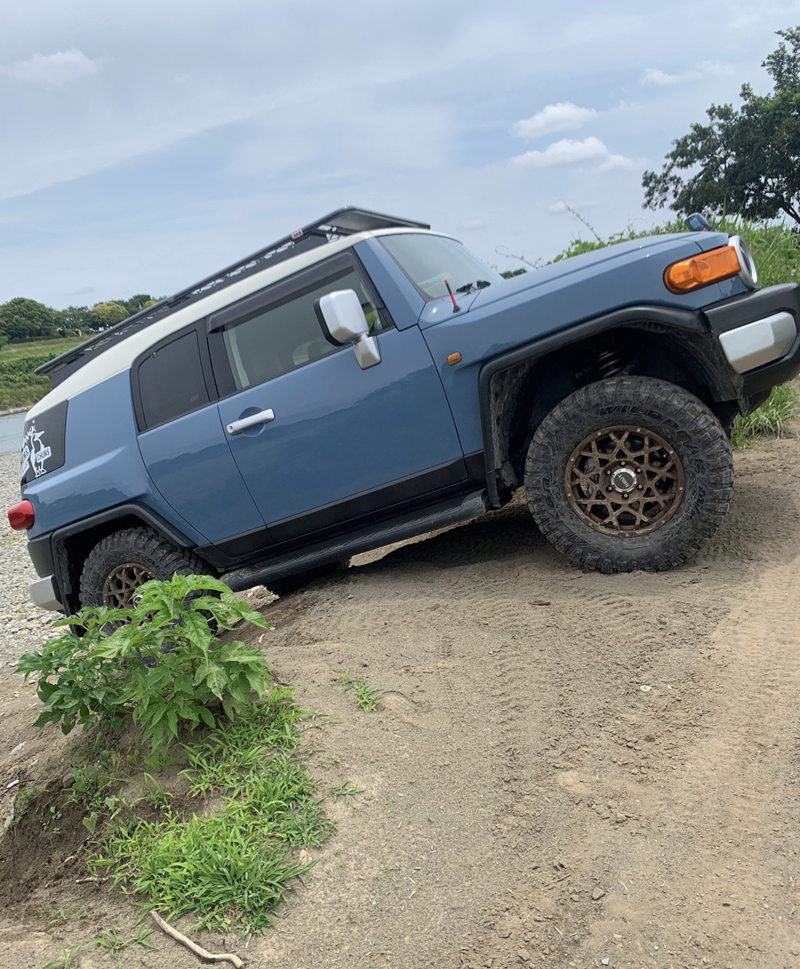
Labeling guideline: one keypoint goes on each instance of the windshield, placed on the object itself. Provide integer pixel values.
(429, 260)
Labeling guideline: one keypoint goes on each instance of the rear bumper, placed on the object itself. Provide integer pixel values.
(760, 336)
(44, 594)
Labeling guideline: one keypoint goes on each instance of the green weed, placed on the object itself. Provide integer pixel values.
(367, 697)
(232, 866)
(345, 792)
(110, 939)
(61, 916)
(68, 958)
(770, 419)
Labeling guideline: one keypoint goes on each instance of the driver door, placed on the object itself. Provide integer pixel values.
(331, 442)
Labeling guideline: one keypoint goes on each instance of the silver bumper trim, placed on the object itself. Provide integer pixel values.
(763, 341)
(43, 593)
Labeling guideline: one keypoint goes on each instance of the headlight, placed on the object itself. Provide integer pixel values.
(747, 271)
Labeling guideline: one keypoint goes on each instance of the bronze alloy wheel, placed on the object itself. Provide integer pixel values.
(121, 584)
(624, 480)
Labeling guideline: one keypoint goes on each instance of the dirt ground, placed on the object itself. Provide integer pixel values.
(568, 769)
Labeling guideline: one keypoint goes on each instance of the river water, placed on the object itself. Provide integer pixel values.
(11, 432)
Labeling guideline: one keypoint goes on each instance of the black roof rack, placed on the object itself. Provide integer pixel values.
(342, 222)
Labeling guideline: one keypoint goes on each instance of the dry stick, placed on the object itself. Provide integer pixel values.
(198, 950)
(563, 878)
(91, 878)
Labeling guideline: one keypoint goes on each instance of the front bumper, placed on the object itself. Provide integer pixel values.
(44, 594)
(759, 334)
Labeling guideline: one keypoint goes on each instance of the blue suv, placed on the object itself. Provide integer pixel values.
(365, 380)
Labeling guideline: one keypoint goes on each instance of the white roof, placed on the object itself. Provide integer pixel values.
(121, 354)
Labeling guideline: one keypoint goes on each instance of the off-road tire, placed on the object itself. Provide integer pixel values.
(660, 408)
(139, 547)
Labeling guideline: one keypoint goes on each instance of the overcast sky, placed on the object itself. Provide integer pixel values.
(144, 145)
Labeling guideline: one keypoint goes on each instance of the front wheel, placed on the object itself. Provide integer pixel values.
(630, 473)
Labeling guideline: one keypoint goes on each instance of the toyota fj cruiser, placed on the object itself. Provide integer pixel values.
(365, 380)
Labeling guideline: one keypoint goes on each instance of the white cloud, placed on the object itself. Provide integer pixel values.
(471, 225)
(60, 68)
(657, 78)
(571, 152)
(564, 116)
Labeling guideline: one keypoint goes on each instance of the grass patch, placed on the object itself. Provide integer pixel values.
(770, 419)
(367, 697)
(231, 862)
(19, 386)
(775, 248)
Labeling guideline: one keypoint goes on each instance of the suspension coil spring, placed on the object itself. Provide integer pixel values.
(608, 364)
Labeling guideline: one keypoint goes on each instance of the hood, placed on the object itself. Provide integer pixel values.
(594, 261)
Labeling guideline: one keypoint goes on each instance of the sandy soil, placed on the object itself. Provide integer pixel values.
(568, 769)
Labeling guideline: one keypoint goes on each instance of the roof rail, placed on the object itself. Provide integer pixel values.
(343, 222)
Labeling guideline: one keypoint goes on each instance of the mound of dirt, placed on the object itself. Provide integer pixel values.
(566, 769)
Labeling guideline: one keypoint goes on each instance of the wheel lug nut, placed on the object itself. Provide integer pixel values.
(622, 464)
(640, 487)
(609, 488)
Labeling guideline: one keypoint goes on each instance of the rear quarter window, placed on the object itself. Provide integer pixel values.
(171, 382)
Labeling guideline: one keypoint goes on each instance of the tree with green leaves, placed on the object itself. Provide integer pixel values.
(742, 162)
(76, 318)
(138, 302)
(25, 319)
(108, 314)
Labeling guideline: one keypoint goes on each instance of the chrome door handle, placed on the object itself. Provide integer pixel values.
(262, 417)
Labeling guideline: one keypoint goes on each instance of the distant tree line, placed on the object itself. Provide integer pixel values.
(24, 319)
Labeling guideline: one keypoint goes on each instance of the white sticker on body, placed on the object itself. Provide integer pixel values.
(34, 452)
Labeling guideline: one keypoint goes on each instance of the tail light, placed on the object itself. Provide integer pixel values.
(21, 516)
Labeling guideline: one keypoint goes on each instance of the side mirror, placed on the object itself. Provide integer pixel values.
(342, 321)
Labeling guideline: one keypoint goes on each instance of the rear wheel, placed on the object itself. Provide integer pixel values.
(123, 561)
(629, 473)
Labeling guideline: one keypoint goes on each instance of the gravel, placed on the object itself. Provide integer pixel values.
(22, 626)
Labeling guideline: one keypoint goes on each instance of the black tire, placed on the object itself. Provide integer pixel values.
(132, 556)
(679, 529)
(294, 583)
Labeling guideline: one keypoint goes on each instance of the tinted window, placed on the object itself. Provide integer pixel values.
(171, 381)
(287, 334)
(429, 260)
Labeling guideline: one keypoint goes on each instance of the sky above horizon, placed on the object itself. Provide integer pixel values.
(147, 145)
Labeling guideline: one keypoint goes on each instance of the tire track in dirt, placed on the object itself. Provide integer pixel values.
(525, 801)
(647, 769)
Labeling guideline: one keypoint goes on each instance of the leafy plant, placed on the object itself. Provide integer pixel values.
(158, 661)
(367, 697)
(89, 782)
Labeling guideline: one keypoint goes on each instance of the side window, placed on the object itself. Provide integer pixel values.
(171, 381)
(287, 334)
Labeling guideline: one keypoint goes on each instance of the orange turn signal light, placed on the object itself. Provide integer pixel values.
(454, 358)
(710, 267)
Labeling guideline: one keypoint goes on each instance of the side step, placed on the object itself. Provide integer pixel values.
(363, 540)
